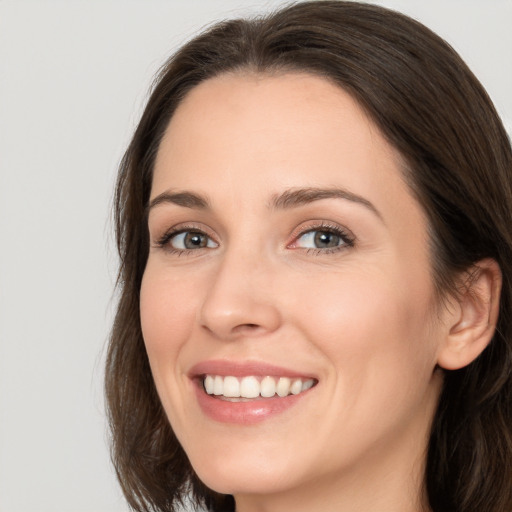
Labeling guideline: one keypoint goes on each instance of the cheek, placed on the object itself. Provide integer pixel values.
(168, 310)
(374, 335)
(370, 325)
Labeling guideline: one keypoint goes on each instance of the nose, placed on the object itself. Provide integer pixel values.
(239, 301)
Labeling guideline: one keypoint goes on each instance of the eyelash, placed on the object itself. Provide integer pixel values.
(346, 237)
(163, 241)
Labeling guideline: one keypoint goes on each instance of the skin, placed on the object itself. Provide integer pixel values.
(362, 318)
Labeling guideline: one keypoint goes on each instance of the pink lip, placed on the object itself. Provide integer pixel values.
(243, 413)
(243, 369)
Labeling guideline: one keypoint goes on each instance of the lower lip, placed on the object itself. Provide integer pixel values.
(244, 413)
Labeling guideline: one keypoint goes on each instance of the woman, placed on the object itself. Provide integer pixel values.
(313, 220)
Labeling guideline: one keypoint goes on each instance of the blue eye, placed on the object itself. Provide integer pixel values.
(323, 239)
(189, 240)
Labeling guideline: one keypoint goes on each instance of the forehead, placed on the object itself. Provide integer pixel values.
(236, 121)
(286, 104)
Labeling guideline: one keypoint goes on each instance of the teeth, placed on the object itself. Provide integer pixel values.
(283, 386)
(296, 387)
(231, 387)
(268, 387)
(249, 387)
(308, 384)
(218, 386)
(209, 385)
(252, 387)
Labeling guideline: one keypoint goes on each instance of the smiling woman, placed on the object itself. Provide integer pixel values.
(313, 220)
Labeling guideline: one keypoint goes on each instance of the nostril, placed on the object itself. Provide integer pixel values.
(246, 328)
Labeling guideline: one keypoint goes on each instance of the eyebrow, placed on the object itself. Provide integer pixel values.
(185, 199)
(294, 198)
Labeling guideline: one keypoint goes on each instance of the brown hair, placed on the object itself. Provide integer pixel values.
(459, 165)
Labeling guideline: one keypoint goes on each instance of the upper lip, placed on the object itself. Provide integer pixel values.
(244, 369)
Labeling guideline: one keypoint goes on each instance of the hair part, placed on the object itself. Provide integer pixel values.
(458, 164)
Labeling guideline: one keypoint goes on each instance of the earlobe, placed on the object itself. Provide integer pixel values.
(474, 317)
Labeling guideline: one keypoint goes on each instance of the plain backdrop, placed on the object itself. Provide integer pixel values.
(73, 80)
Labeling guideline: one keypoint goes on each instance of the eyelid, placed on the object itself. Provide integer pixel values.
(321, 225)
(162, 241)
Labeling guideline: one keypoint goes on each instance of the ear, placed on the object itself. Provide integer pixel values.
(473, 316)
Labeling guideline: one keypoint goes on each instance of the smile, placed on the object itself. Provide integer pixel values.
(231, 387)
(249, 392)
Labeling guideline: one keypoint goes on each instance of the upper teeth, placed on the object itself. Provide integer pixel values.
(253, 387)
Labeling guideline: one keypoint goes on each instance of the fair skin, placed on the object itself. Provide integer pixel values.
(332, 287)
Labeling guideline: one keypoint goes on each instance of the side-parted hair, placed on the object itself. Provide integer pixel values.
(458, 164)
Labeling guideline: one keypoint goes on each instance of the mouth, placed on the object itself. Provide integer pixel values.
(236, 389)
(247, 393)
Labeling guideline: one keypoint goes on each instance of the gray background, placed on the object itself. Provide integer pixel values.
(73, 79)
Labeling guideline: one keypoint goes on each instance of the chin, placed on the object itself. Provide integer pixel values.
(243, 474)
(249, 483)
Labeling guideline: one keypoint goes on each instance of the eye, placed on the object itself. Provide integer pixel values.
(324, 239)
(191, 240)
(186, 240)
(319, 240)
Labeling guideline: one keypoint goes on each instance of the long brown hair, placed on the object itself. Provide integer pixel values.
(429, 106)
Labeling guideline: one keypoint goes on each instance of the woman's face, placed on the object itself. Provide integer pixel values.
(288, 256)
